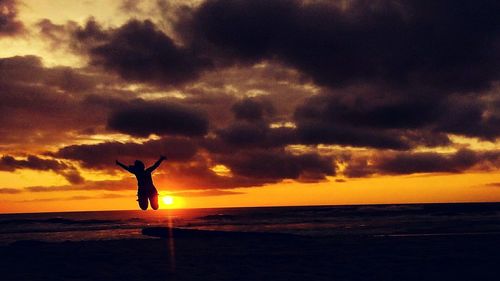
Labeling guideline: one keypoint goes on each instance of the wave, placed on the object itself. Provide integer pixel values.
(218, 217)
(56, 221)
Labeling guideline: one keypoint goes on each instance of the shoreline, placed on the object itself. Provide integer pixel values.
(465, 203)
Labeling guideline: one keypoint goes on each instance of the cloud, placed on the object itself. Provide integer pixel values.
(419, 83)
(406, 163)
(251, 128)
(25, 71)
(414, 86)
(252, 109)
(471, 116)
(9, 24)
(278, 165)
(328, 133)
(380, 119)
(243, 133)
(46, 105)
(402, 163)
(103, 155)
(161, 119)
(361, 118)
(10, 164)
(10, 191)
(58, 35)
(337, 44)
(247, 135)
(139, 51)
(73, 176)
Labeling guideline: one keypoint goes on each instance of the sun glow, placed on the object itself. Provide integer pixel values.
(168, 200)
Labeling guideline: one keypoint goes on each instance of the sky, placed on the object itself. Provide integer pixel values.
(254, 103)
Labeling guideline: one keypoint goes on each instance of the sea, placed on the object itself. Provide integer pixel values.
(365, 220)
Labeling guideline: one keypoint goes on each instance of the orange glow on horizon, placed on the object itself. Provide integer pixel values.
(423, 188)
(172, 202)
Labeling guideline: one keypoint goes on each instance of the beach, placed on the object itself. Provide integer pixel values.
(201, 255)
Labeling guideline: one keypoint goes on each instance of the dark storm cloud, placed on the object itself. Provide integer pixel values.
(385, 121)
(358, 168)
(250, 134)
(251, 128)
(359, 119)
(278, 164)
(167, 119)
(139, 51)
(418, 56)
(252, 109)
(29, 71)
(366, 109)
(244, 133)
(439, 47)
(423, 162)
(407, 163)
(312, 132)
(471, 117)
(103, 155)
(88, 36)
(199, 175)
(445, 45)
(42, 106)
(9, 24)
(10, 164)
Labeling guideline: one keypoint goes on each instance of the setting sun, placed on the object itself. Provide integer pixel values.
(168, 200)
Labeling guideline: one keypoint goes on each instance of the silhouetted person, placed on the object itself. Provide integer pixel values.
(146, 189)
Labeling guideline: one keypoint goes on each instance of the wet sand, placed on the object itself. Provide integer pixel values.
(200, 255)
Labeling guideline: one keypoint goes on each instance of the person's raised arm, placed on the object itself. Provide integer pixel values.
(156, 165)
(123, 166)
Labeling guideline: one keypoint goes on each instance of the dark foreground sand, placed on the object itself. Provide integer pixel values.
(200, 256)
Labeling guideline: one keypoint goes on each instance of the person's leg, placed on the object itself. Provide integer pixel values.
(143, 202)
(153, 200)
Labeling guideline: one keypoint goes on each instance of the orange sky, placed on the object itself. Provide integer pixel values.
(53, 121)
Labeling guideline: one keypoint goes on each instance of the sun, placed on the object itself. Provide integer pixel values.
(168, 200)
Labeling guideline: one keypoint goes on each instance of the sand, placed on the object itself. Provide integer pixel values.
(216, 256)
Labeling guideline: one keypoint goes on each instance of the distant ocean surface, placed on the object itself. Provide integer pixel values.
(373, 220)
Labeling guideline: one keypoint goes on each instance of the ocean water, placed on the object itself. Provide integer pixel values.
(373, 220)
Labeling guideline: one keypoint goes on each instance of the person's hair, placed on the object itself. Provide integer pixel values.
(139, 164)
